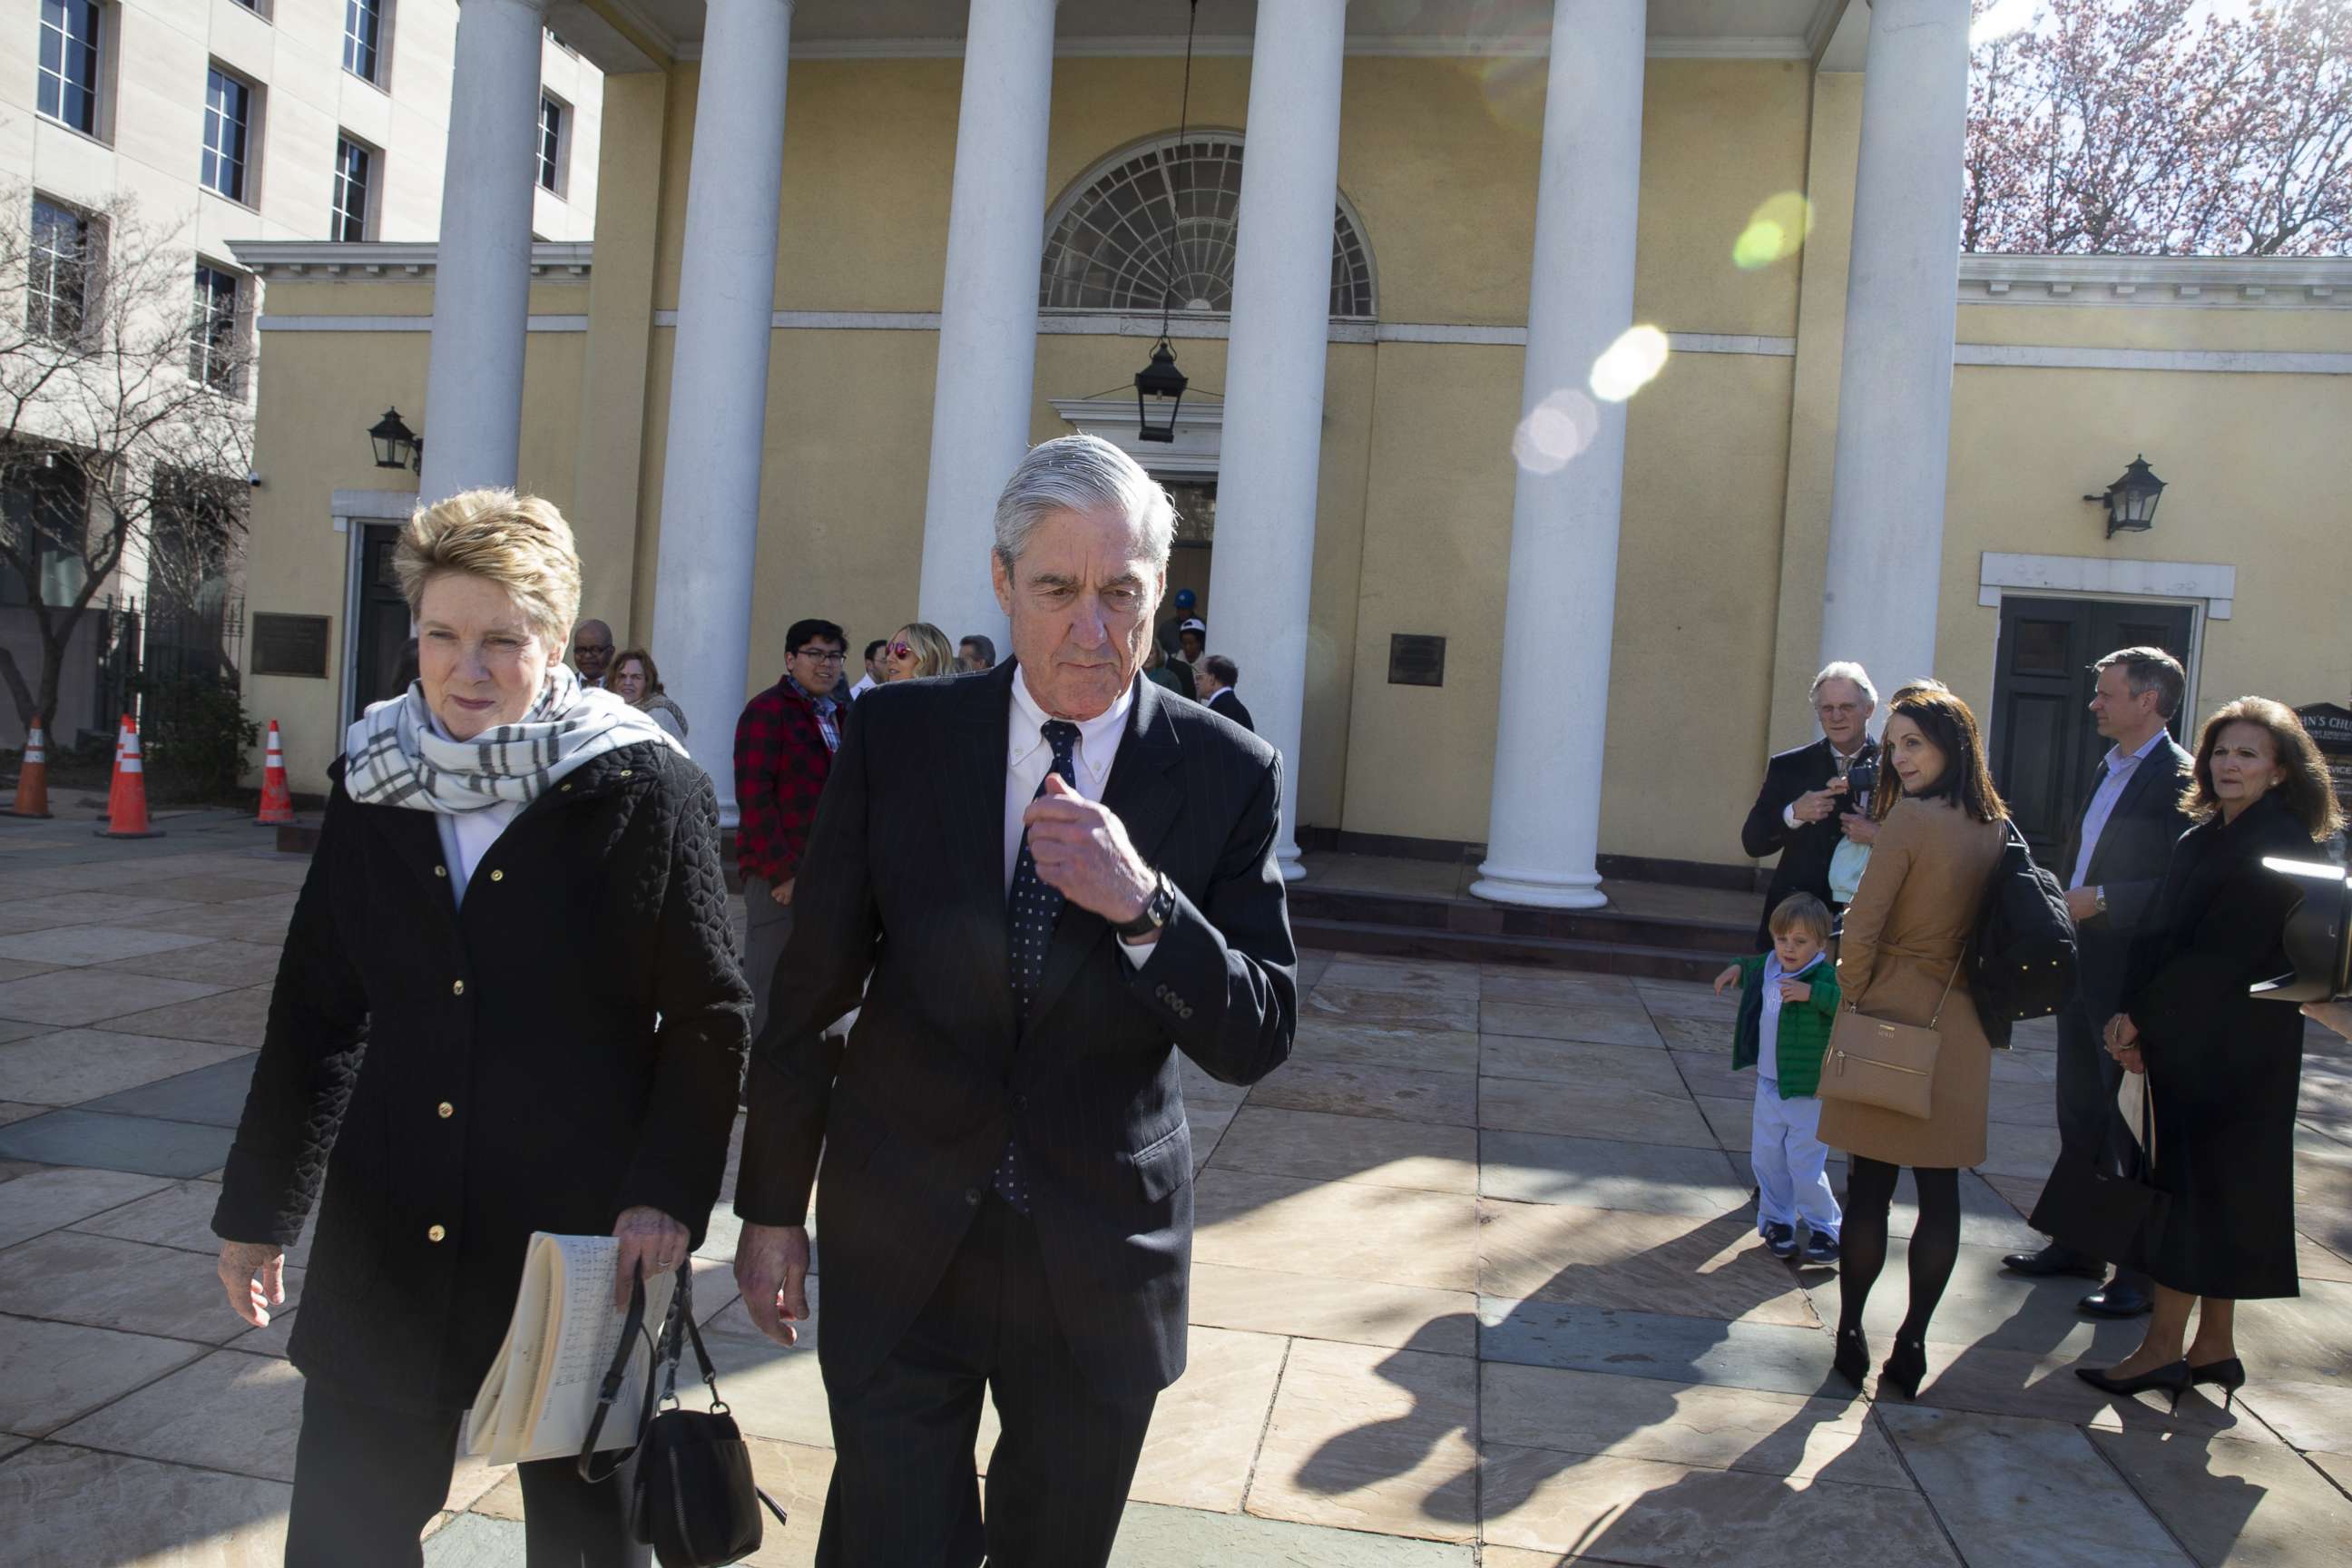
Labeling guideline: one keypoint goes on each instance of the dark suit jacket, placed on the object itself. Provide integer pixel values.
(1804, 852)
(2133, 850)
(1225, 702)
(903, 882)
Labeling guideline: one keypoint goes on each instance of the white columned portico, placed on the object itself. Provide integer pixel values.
(1262, 576)
(1543, 833)
(481, 278)
(719, 376)
(1895, 393)
(988, 310)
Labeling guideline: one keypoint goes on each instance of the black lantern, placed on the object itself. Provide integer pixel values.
(2131, 499)
(396, 446)
(1159, 393)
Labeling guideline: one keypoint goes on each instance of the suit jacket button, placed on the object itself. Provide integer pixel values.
(433, 1233)
(972, 1196)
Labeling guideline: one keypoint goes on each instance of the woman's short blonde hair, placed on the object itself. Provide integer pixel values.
(519, 543)
(934, 655)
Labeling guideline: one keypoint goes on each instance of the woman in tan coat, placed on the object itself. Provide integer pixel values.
(1939, 835)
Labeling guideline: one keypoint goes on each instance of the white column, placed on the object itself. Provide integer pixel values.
(718, 378)
(1262, 574)
(988, 312)
(1895, 392)
(481, 280)
(1544, 822)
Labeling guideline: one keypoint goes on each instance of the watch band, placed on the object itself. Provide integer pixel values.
(1156, 910)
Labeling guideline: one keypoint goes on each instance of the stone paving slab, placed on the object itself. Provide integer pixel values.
(1348, 1088)
(144, 1143)
(65, 997)
(1598, 1022)
(210, 1095)
(68, 1067)
(1592, 1111)
(1607, 1174)
(2027, 1494)
(52, 1197)
(1340, 1229)
(230, 1411)
(179, 1216)
(58, 1372)
(1333, 1148)
(1580, 1062)
(1409, 1009)
(1769, 1356)
(1372, 1439)
(226, 963)
(75, 946)
(1274, 1301)
(1709, 1267)
(1357, 974)
(2234, 1503)
(224, 1017)
(104, 1283)
(132, 1510)
(1385, 1045)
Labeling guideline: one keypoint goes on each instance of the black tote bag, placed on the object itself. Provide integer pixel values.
(2110, 1218)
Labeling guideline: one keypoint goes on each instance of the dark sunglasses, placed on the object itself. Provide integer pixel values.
(899, 650)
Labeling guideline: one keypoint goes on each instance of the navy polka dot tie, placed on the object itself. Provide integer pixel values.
(1033, 908)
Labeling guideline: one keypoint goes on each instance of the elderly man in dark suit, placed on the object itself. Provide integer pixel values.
(2112, 864)
(1803, 810)
(1055, 877)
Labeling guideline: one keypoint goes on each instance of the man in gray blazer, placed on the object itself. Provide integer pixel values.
(1043, 882)
(2113, 863)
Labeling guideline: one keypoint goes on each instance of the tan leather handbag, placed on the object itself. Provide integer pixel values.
(1877, 1061)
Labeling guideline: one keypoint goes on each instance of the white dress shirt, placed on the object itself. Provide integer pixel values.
(1843, 762)
(2120, 765)
(865, 683)
(1028, 758)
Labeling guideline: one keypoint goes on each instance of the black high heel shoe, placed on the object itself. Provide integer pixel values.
(2228, 1376)
(1905, 1367)
(1853, 1362)
(2173, 1377)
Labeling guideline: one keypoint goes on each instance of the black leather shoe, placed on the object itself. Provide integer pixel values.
(2171, 1378)
(2117, 1298)
(2228, 1376)
(2054, 1259)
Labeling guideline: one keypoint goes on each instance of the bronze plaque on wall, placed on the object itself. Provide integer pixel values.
(291, 645)
(1416, 659)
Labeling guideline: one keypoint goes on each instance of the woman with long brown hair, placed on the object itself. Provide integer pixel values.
(2224, 1069)
(1939, 833)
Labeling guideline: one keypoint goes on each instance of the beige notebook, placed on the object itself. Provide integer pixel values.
(540, 1394)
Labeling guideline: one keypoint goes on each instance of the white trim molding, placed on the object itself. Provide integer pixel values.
(2197, 282)
(1534, 46)
(400, 324)
(1200, 433)
(2227, 361)
(391, 259)
(2213, 584)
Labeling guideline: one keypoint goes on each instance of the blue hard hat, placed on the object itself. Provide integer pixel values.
(1184, 599)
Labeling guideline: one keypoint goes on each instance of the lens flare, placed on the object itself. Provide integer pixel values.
(2000, 20)
(1630, 363)
(1776, 230)
(1555, 431)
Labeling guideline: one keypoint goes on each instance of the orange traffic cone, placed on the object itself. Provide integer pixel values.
(33, 778)
(276, 803)
(126, 799)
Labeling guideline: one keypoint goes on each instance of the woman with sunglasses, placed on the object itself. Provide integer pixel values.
(917, 650)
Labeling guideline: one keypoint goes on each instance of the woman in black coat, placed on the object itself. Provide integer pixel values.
(508, 1003)
(2223, 1067)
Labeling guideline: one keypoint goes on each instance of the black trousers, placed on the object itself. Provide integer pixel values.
(2089, 1125)
(368, 1479)
(904, 1494)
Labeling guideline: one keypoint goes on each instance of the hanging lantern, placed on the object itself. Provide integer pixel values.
(1159, 393)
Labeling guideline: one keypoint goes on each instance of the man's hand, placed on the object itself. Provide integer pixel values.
(1815, 805)
(2122, 1035)
(782, 892)
(1726, 978)
(2081, 903)
(1859, 828)
(254, 1275)
(1793, 990)
(772, 1271)
(1082, 852)
(649, 1237)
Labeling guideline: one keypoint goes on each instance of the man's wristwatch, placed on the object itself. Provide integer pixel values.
(2098, 901)
(1158, 910)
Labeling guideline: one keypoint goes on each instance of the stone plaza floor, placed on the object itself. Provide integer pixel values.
(1476, 1281)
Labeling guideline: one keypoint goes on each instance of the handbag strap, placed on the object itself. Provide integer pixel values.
(1936, 1018)
(610, 1389)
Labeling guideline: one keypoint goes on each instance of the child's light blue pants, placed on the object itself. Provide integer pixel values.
(1786, 1149)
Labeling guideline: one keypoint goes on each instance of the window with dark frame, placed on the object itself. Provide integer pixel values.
(46, 514)
(213, 333)
(364, 38)
(56, 286)
(69, 81)
(228, 123)
(551, 144)
(354, 177)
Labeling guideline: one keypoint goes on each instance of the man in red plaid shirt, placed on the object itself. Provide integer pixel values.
(783, 750)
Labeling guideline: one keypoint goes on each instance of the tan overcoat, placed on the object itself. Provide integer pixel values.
(1910, 920)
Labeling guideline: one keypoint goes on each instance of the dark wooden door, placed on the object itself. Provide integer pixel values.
(2045, 747)
(382, 641)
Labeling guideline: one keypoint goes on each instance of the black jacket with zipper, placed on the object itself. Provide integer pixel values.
(565, 1046)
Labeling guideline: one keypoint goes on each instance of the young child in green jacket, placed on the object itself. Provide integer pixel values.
(1789, 997)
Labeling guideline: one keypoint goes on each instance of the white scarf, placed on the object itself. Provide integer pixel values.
(394, 755)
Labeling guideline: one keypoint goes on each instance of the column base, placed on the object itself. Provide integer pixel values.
(1286, 856)
(1538, 889)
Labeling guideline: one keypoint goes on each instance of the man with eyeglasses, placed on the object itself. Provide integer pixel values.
(784, 752)
(1805, 808)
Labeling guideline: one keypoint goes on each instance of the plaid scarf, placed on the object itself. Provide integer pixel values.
(396, 755)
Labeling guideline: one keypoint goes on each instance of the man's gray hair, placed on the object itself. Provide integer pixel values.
(2148, 670)
(1082, 474)
(1844, 670)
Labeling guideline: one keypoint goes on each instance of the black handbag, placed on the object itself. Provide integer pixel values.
(2114, 1218)
(694, 1500)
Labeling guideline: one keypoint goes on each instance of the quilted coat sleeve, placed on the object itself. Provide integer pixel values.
(705, 1014)
(311, 1051)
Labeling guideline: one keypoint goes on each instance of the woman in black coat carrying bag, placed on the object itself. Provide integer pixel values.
(508, 1002)
(2223, 1067)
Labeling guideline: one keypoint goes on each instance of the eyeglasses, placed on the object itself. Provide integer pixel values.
(820, 655)
(899, 650)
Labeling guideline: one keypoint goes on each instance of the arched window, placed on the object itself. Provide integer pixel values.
(1155, 224)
